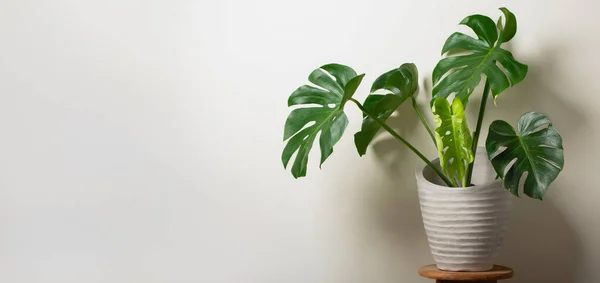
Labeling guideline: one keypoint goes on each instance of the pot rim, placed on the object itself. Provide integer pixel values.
(433, 186)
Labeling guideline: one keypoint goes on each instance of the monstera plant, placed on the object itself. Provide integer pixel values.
(535, 147)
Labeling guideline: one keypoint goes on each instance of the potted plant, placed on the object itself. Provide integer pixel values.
(463, 196)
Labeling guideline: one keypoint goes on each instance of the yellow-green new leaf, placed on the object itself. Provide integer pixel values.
(453, 139)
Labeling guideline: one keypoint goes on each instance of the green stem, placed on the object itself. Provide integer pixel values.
(398, 137)
(416, 107)
(484, 98)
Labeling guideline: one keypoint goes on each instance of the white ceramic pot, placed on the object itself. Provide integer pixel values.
(465, 226)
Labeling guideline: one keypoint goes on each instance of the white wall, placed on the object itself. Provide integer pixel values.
(140, 141)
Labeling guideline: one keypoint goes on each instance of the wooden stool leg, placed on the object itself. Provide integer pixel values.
(449, 281)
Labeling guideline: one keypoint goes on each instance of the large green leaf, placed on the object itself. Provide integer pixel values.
(453, 139)
(536, 149)
(461, 73)
(397, 85)
(321, 111)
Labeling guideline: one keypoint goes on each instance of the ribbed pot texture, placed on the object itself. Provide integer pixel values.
(465, 226)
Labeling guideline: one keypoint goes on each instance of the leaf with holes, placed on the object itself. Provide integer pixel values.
(398, 84)
(461, 73)
(453, 139)
(536, 149)
(321, 112)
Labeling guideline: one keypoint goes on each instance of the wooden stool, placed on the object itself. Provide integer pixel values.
(497, 273)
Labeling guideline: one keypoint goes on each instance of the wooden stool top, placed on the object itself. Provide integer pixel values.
(497, 273)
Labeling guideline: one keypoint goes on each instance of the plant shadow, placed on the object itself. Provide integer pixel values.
(393, 208)
(541, 245)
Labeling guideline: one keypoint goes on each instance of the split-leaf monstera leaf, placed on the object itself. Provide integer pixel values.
(321, 110)
(453, 138)
(537, 148)
(461, 73)
(397, 85)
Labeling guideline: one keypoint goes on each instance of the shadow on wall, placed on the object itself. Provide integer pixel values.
(398, 209)
(540, 244)
(393, 207)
